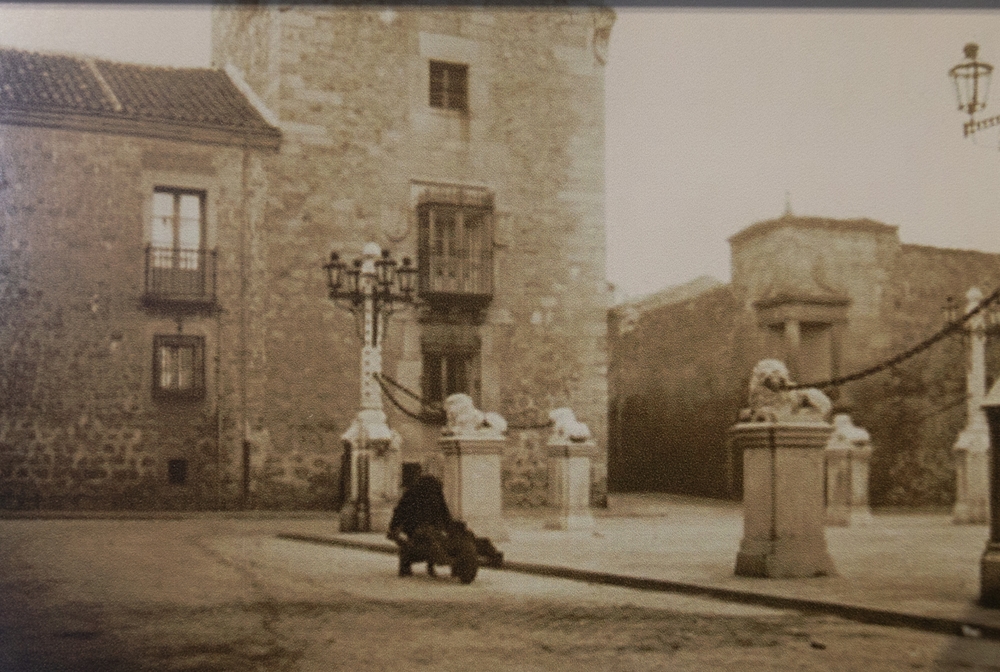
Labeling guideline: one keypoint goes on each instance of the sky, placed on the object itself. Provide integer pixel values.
(716, 119)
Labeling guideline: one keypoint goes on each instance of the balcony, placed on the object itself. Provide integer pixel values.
(180, 279)
(460, 280)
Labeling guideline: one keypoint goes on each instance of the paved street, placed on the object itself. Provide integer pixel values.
(214, 593)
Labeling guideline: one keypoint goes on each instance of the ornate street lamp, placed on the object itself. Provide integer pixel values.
(972, 86)
(372, 286)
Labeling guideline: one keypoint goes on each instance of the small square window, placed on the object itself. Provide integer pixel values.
(449, 86)
(177, 472)
(179, 367)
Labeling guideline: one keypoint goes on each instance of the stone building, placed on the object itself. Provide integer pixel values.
(829, 297)
(126, 198)
(470, 140)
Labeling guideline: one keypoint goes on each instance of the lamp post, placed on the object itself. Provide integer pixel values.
(972, 79)
(370, 288)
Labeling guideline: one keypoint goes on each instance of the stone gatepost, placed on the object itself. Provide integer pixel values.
(571, 450)
(472, 447)
(838, 482)
(971, 449)
(783, 435)
(848, 453)
(861, 457)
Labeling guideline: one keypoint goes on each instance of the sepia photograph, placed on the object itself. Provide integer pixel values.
(499, 336)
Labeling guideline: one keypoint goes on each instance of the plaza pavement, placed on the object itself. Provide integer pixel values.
(914, 570)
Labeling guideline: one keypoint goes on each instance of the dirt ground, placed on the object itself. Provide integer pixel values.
(209, 594)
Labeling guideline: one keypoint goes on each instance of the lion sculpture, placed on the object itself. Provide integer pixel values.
(464, 419)
(772, 400)
(565, 426)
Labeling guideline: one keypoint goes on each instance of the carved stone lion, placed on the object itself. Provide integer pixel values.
(464, 419)
(565, 426)
(771, 400)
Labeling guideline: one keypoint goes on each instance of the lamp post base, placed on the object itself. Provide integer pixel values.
(989, 576)
(374, 451)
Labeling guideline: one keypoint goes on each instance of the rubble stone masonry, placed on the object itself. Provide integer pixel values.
(79, 425)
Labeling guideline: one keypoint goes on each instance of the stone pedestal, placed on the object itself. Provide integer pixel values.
(472, 486)
(569, 485)
(972, 492)
(783, 508)
(838, 483)
(848, 453)
(861, 457)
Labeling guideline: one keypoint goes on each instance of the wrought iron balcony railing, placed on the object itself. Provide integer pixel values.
(179, 276)
(462, 279)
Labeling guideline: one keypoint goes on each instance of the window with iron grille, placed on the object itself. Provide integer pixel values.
(455, 250)
(178, 367)
(449, 86)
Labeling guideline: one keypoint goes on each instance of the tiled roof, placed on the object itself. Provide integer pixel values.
(48, 84)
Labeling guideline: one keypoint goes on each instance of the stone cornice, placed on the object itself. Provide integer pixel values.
(816, 223)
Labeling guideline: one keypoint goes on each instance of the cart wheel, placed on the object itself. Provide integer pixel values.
(466, 563)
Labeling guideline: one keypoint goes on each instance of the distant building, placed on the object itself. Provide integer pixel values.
(830, 297)
(166, 334)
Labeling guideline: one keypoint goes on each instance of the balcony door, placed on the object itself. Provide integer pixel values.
(177, 242)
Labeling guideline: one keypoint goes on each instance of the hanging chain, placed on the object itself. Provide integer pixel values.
(944, 332)
(436, 414)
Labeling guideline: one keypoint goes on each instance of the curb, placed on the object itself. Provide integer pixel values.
(851, 612)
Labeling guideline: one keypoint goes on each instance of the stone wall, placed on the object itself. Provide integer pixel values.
(79, 427)
(674, 392)
(350, 89)
(706, 347)
(915, 411)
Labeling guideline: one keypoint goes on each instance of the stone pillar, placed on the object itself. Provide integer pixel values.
(783, 435)
(861, 456)
(793, 344)
(571, 449)
(838, 482)
(971, 449)
(569, 484)
(472, 487)
(472, 447)
(848, 453)
(783, 516)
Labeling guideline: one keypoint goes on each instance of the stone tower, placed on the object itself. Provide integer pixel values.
(471, 140)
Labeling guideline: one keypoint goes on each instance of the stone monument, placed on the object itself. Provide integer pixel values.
(848, 454)
(571, 449)
(472, 446)
(783, 433)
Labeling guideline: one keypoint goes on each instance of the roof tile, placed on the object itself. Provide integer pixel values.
(51, 83)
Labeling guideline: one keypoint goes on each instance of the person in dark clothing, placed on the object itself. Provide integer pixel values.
(419, 523)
